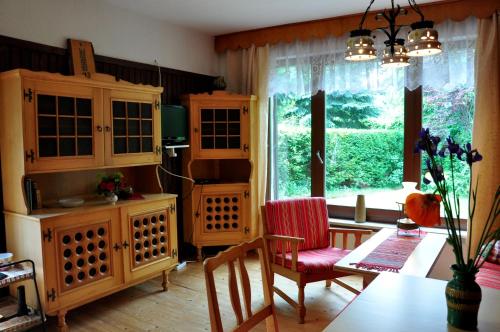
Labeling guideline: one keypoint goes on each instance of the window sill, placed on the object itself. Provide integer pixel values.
(376, 226)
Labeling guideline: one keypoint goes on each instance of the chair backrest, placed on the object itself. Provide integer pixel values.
(299, 217)
(229, 257)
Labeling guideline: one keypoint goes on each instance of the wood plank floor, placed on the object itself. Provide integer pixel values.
(184, 306)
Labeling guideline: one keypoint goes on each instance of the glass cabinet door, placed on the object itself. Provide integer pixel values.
(63, 127)
(222, 132)
(132, 128)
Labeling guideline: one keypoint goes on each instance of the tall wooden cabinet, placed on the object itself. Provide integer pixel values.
(218, 209)
(65, 132)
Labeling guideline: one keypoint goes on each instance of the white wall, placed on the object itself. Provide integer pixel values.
(113, 31)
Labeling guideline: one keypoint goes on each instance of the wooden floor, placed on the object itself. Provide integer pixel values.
(184, 306)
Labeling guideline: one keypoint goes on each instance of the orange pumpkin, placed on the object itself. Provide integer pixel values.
(423, 209)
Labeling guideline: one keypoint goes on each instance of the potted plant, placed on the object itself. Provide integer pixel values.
(463, 294)
(114, 187)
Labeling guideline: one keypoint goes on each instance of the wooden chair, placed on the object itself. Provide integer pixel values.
(229, 257)
(300, 226)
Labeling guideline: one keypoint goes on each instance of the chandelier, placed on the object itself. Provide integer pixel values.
(422, 39)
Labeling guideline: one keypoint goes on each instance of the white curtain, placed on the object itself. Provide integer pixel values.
(304, 67)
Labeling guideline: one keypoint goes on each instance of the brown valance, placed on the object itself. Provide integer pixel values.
(455, 10)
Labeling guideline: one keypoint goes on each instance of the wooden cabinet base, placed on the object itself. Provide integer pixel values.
(62, 326)
(90, 252)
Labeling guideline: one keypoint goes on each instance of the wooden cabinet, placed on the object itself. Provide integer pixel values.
(76, 123)
(219, 125)
(51, 124)
(218, 210)
(89, 252)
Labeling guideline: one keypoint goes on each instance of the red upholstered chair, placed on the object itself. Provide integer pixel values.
(300, 226)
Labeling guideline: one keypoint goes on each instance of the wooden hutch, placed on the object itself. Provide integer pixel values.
(217, 208)
(64, 132)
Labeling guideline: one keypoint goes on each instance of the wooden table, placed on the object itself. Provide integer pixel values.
(419, 263)
(402, 303)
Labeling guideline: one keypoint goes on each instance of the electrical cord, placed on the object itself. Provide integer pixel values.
(176, 175)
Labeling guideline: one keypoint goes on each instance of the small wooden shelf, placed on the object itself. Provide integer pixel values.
(8, 307)
(15, 274)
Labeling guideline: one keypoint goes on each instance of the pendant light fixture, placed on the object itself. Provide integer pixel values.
(422, 39)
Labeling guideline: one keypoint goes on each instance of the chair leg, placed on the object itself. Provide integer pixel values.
(301, 307)
(328, 283)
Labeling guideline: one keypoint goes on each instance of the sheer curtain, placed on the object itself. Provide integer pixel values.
(246, 71)
(486, 132)
(304, 67)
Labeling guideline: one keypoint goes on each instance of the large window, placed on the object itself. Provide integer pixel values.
(371, 120)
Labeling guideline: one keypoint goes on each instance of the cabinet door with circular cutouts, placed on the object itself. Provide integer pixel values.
(152, 245)
(83, 257)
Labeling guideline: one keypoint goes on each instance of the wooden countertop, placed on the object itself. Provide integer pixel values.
(91, 206)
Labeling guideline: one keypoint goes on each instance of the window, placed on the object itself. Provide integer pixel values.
(292, 148)
(371, 120)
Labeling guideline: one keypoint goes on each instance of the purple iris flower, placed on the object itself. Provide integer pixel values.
(472, 155)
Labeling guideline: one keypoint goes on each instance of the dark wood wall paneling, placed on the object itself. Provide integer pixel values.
(16, 53)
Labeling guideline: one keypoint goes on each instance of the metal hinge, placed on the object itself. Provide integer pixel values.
(51, 296)
(158, 149)
(245, 147)
(30, 155)
(246, 230)
(246, 194)
(47, 236)
(172, 208)
(28, 94)
(245, 110)
(174, 252)
(157, 105)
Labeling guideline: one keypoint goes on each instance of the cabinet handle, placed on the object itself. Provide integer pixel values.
(107, 128)
(125, 244)
(246, 230)
(245, 147)
(117, 247)
(195, 130)
(99, 129)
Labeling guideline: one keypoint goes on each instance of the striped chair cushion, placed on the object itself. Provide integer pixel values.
(489, 275)
(305, 218)
(315, 260)
(494, 256)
